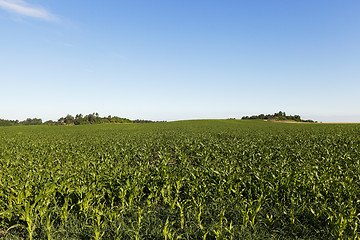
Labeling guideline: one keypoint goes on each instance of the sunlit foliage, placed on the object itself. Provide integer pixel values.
(220, 179)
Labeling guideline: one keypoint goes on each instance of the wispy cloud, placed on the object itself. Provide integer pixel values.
(25, 9)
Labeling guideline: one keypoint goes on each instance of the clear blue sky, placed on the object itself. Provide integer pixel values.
(169, 60)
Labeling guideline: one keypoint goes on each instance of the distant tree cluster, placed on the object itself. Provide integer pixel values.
(32, 121)
(4, 122)
(94, 118)
(79, 119)
(68, 120)
(145, 121)
(280, 116)
(28, 121)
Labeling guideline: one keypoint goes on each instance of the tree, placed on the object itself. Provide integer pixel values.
(79, 119)
(90, 118)
(61, 121)
(32, 121)
(50, 123)
(69, 119)
(5, 122)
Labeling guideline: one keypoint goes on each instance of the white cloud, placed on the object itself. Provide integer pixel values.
(23, 8)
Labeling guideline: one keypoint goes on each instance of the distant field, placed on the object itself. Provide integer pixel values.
(204, 179)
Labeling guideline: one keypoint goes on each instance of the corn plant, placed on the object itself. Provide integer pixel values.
(206, 179)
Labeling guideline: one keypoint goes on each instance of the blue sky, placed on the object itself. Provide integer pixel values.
(170, 60)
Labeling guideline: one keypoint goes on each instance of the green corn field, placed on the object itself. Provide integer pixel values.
(204, 179)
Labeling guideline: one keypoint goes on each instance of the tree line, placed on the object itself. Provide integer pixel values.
(28, 121)
(280, 116)
(94, 118)
(79, 119)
